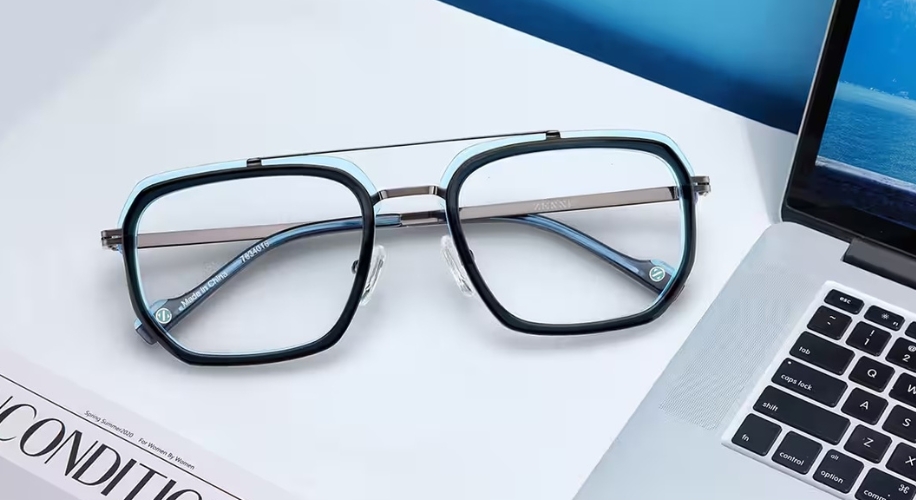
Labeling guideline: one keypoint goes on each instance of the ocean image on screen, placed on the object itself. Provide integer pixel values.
(868, 148)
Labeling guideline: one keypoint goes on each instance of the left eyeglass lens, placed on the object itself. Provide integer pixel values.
(285, 288)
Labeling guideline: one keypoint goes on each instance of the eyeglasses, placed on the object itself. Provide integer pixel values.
(559, 233)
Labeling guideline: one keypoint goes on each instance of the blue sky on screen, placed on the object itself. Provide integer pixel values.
(882, 49)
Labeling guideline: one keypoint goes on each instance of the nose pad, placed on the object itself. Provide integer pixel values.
(375, 270)
(455, 267)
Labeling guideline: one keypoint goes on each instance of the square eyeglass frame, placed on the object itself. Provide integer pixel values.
(318, 164)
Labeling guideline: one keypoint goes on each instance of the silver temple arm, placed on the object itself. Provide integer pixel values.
(112, 238)
(170, 311)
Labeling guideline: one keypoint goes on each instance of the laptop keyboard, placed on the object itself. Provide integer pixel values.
(837, 407)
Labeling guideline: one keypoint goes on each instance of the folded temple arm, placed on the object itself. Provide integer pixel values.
(266, 237)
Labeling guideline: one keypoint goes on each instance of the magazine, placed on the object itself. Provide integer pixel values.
(61, 442)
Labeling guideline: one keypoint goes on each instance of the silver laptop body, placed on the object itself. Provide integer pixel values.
(800, 380)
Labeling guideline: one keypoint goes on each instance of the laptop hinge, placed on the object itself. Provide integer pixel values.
(882, 261)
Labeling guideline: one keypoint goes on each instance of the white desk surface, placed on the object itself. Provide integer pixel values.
(414, 403)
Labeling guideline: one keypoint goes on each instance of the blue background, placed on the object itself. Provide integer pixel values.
(753, 57)
(881, 49)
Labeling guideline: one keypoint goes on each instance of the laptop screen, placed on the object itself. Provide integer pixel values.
(854, 174)
(867, 155)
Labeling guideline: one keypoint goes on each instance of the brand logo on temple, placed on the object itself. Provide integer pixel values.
(543, 206)
(163, 316)
(657, 274)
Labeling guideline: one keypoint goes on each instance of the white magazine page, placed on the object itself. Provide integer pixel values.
(61, 442)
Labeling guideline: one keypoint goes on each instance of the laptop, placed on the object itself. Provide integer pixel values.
(800, 380)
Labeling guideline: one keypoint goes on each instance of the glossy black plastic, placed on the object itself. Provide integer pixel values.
(155, 191)
(687, 197)
(804, 202)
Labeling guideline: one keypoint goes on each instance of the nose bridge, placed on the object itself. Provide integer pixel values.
(404, 192)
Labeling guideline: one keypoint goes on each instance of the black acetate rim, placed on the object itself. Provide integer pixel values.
(151, 193)
(666, 298)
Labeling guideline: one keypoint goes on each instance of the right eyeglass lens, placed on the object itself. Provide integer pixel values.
(284, 286)
(550, 249)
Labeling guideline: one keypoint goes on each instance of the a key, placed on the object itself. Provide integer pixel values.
(903, 461)
(879, 485)
(904, 389)
(903, 353)
(756, 435)
(809, 382)
(802, 415)
(797, 453)
(822, 353)
(884, 318)
(871, 374)
(843, 301)
(864, 406)
(870, 339)
(828, 322)
(868, 444)
(901, 422)
(838, 471)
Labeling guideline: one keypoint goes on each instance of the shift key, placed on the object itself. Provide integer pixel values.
(809, 382)
(802, 415)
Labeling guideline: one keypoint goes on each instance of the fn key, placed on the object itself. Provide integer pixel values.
(756, 435)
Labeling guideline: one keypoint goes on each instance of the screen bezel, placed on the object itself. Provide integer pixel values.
(802, 205)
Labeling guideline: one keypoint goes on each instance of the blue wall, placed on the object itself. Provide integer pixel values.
(754, 57)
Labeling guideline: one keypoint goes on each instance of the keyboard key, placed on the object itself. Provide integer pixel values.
(868, 444)
(797, 453)
(802, 415)
(838, 471)
(809, 382)
(864, 406)
(901, 422)
(879, 485)
(884, 318)
(904, 389)
(828, 322)
(903, 461)
(870, 339)
(911, 330)
(822, 353)
(871, 374)
(903, 353)
(756, 435)
(845, 302)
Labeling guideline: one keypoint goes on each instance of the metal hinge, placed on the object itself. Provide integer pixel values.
(553, 134)
(701, 185)
(112, 239)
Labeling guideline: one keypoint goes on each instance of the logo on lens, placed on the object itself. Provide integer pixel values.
(657, 274)
(163, 316)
